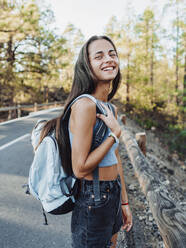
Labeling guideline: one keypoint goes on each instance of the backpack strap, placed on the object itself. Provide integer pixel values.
(53, 140)
(44, 215)
(99, 107)
(111, 107)
(101, 127)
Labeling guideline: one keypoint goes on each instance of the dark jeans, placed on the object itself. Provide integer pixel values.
(94, 224)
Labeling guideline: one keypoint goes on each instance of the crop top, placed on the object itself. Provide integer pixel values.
(110, 158)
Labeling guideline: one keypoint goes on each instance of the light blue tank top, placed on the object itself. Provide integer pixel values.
(110, 158)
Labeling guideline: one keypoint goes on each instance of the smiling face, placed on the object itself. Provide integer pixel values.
(103, 60)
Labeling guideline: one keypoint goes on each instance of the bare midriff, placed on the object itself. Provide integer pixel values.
(108, 173)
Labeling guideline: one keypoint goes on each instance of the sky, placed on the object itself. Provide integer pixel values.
(91, 16)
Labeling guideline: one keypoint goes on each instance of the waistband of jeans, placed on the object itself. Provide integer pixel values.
(88, 184)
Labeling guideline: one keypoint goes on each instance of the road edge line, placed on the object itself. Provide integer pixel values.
(14, 141)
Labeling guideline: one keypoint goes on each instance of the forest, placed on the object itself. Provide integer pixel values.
(36, 62)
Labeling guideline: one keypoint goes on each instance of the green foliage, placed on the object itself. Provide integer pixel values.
(32, 57)
(176, 140)
(35, 61)
(153, 65)
(146, 123)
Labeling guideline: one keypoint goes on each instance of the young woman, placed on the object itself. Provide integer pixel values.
(97, 73)
(99, 211)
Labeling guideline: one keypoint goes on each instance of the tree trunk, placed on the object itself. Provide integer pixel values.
(9, 77)
(128, 83)
(184, 85)
(147, 51)
(177, 57)
(184, 96)
(10, 60)
(152, 68)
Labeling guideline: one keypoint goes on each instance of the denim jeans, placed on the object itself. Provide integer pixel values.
(93, 224)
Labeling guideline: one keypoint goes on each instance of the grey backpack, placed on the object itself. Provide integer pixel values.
(47, 180)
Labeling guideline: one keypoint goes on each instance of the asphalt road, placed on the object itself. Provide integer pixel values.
(21, 219)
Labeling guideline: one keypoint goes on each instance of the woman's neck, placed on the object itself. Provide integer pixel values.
(102, 91)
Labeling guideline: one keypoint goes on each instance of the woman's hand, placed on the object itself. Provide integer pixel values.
(110, 121)
(127, 217)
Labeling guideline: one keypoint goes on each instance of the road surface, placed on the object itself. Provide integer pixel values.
(21, 219)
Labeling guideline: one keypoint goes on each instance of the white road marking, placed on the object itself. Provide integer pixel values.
(14, 141)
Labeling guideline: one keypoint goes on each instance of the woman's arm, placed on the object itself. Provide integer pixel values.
(83, 118)
(124, 196)
(126, 212)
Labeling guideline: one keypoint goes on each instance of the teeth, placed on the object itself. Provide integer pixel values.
(108, 69)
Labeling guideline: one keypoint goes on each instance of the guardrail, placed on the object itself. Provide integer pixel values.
(169, 217)
(34, 108)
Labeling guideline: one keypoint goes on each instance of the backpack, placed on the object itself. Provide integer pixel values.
(47, 180)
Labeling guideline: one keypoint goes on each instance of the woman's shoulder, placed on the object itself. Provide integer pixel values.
(84, 112)
(84, 105)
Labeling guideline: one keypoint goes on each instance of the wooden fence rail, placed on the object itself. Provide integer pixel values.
(169, 217)
(34, 107)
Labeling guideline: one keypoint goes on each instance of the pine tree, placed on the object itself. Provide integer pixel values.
(18, 20)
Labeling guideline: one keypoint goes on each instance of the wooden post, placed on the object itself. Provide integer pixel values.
(19, 111)
(9, 114)
(123, 119)
(141, 140)
(169, 216)
(35, 107)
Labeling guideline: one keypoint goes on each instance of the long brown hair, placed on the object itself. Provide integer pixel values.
(84, 82)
